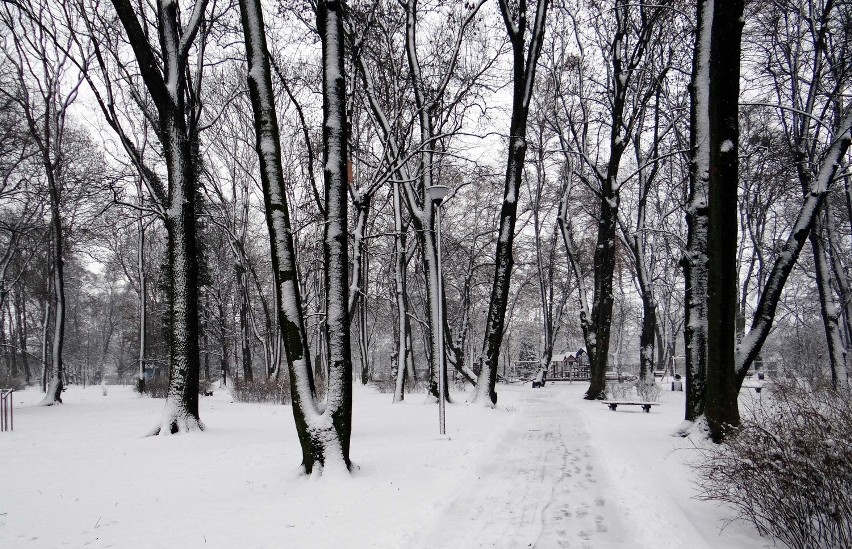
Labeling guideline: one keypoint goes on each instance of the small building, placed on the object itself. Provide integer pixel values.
(569, 366)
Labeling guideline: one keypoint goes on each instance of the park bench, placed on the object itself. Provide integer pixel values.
(540, 379)
(613, 404)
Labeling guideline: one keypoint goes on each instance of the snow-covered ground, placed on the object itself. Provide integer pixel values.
(545, 469)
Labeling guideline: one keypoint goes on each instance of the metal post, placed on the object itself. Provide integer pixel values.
(7, 410)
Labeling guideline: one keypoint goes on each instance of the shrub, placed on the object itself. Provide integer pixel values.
(15, 383)
(204, 386)
(264, 390)
(648, 391)
(788, 468)
(619, 391)
(157, 387)
(389, 385)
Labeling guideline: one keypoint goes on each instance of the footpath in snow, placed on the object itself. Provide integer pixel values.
(541, 486)
(544, 469)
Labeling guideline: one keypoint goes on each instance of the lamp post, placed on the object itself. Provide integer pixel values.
(437, 193)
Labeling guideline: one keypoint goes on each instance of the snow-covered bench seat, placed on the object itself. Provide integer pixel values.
(613, 404)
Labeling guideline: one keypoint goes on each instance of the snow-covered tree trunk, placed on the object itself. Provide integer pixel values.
(828, 307)
(647, 335)
(694, 261)
(45, 343)
(764, 314)
(143, 302)
(609, 193)
(402, 352)
(564, 225)
(181, 410)
(323, 432)
(721, 407)
(245, 324)
(56, 375)
(363, 274)
(335, 246)
(424, 218)
(165, 74)
(843, 290)
(524, 64)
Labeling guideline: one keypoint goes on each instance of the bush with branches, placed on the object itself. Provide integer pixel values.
(388, 385)
(648, 391)
(619, 391)
(263, 390)
(16, 383)
(788, 468)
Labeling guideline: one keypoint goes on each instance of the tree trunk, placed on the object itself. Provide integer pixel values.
(721, 408)
(56, 375)
(764, 314)
(223, 336)
(843, 290)
(335, 246)
(523, 75)
(604, 268)
(45, 344)
(565, 230)
(245, 324)
(694, 260)
(829, 309)
(323, 436)
(166, 75)
(20, 320)
(402, 352)
(143, 302)
(363, 332)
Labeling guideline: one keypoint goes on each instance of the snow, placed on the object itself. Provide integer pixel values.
(544, 468)
(726, 146)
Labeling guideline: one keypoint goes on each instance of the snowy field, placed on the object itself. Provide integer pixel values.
(545, 469)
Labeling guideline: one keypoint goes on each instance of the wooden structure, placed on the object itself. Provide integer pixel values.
(569, 367)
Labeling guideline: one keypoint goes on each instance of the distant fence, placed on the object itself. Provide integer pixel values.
(7, 410)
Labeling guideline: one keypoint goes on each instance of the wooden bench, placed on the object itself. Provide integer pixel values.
(613, 404)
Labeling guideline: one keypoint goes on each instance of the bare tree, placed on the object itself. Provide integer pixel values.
(172, 77)
(524, 63)
(324, 434)
(47, 85)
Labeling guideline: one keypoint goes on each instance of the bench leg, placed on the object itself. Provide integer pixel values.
(647, 408)
(612, 406)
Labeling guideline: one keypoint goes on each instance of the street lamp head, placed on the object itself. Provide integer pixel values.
(437, 193)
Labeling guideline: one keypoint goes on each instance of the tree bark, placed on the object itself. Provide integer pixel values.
(143, 302)
(721, 408)
(829, 309)
(323, 435)
(165, 76)
(523, 78)
(402, 351)
(20, 320)
(694, 261)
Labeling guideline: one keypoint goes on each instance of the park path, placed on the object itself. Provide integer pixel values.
(541, 486)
